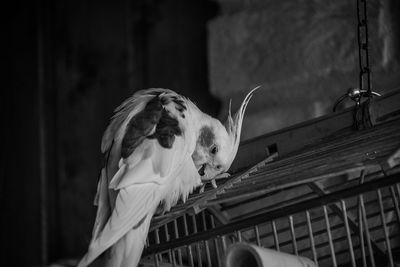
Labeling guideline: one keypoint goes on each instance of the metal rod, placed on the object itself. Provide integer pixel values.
(203, 216)
(274, 214)
(198, 250)
(395, 203)
(348, 233)
(204, 221)
(190, 255)
(385, 230)
(224, 246)
(172, 252)
(157, 236)
(293, 234)
(276, 240)
(360, 222)
(328, 230)
(167, 239)
(336, 209)
(310, 232)
(208, 253)
(189, 247)
(239, 236)
(361, 235)
(320, 218)
(216, 243)
(156, 263)
(368, 237)
(177, 236)
(257, 234)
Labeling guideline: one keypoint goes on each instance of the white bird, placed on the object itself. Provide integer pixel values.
(158, 147)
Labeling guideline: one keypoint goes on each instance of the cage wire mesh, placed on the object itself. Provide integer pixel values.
(361, 230)
(346, 214)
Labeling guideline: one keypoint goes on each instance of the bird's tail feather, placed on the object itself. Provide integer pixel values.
(128, 250)
(124, 234)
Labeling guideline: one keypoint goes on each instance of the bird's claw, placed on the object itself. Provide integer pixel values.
(222, 175)
(213, 183)
(203, 186)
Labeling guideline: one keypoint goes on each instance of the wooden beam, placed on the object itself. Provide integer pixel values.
(268, 216)
(295, 137)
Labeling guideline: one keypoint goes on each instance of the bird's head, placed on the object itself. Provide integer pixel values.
(217, 144)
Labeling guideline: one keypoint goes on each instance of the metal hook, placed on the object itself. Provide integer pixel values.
(354, 94)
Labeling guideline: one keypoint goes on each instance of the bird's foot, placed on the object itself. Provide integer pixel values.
(222, 175)
(203, 186)
(213, 181)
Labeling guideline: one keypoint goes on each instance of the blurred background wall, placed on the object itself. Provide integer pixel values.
(72, 62)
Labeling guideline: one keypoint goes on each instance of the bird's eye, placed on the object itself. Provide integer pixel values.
(214, 150)
(219, 167)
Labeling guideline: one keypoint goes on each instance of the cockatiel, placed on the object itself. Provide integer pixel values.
(158, 147)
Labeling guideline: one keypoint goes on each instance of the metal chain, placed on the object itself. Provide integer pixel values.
(363, 53)
(365, 87)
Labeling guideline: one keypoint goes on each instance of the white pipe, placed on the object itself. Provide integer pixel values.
(248, 255)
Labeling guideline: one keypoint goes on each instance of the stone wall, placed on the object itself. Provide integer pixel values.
(303, 53)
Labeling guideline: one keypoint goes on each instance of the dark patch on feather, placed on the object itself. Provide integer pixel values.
(139, 223)
(106, 158)
(180, 104)
(166, 130)
(206, 137)
(140, 126)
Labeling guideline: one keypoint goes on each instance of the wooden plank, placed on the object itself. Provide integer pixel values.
(265, 217)
(343, 153)
(300, 135)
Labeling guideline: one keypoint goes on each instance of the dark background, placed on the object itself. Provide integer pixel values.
(72, 62)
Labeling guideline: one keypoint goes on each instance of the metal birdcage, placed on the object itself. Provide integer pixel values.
(326, 189)
(320, 189)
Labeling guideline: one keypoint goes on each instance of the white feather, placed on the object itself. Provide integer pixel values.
(130, 189)
(124, 217)
(149, 175)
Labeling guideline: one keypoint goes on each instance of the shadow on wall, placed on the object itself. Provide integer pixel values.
(303, 53)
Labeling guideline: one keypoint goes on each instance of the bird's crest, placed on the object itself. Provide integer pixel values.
(233, 124)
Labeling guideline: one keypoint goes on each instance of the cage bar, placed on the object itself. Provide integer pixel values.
(328, 230)
(177, 236)
(310, 232)
(364, 221)
(348, 233)
(276, 240)
(216, 243)
(395, 202)
(189, 247)
(293, 235)
(257, 235)
(384, 228)
(198, 249)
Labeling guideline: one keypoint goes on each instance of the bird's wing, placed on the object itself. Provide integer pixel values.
(160, 161)
(111, 149)
(127, 110)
